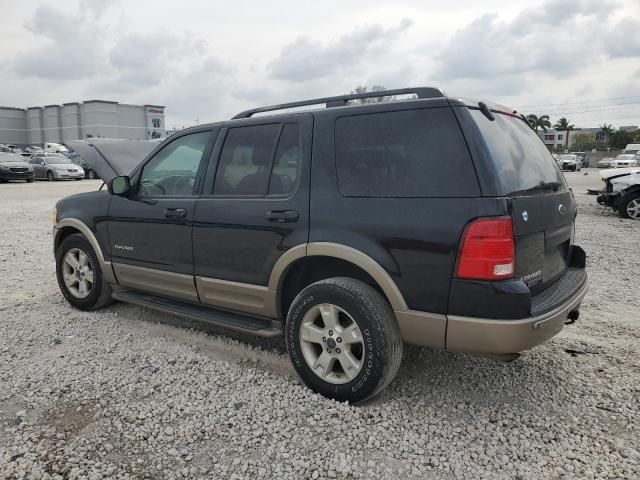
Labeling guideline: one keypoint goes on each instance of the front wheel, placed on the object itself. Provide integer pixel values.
(343, 339)
(629, 206)
(79, 274)
(50, 176)
(91, 175)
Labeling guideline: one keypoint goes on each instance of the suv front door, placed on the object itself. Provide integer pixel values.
(150, 229)
(254, 208)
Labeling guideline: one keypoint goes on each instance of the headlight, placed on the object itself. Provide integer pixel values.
(4, 169)
(54, 216)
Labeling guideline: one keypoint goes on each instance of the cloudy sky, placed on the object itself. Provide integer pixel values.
(206, 59)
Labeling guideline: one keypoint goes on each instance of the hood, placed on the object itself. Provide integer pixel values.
(15, 165)
(614, 172)
(110, 157)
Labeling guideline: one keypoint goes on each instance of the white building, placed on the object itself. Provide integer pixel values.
(553, 139)
(78, 120)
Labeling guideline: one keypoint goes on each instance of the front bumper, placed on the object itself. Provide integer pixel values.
(61, 175)
(9, 175)
(482, 335)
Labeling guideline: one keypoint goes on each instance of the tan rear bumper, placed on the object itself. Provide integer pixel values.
(482, 335)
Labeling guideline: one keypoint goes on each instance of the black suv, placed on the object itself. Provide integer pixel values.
(347, 228)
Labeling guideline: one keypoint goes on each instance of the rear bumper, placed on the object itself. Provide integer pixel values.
(483, 335)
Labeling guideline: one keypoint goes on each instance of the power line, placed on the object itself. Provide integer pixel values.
(578, 102)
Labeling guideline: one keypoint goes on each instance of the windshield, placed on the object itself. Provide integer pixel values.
(522, 161)
(626, 157)
(567, 157)
(56, 160)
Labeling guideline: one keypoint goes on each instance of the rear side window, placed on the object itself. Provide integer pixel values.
(521, 159)
(245, 161)
(410, 153)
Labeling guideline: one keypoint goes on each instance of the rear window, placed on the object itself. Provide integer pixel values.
(521, 159)
(409, 153)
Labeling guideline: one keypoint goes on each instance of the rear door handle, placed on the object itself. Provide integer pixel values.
(282, 216)
(175, 213)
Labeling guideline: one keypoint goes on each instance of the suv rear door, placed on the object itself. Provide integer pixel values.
(254, 207)
(542, 206)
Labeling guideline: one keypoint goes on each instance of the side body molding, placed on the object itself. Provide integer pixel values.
(106, 267)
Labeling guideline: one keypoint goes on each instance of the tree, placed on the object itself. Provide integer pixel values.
(365, 89)
(584, 142)
(563, 125)
(620, 139)
(606, 130)
(537, 122)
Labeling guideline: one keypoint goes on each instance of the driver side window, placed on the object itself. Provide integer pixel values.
(172, 171)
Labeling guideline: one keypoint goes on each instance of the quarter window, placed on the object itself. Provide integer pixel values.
(409, 153)
(173, 170)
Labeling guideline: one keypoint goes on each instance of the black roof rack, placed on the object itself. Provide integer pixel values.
(341, 100)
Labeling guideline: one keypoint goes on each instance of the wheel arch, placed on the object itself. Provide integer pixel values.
(69, 226)
(320, 260)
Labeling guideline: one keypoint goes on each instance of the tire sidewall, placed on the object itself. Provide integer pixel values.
(80, 242)
(624, 202)
(372, 373)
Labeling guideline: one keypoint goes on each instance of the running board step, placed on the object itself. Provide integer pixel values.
(254, 325)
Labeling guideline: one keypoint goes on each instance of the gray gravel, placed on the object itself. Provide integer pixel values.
(129, 393)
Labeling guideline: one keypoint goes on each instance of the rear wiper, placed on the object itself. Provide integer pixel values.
(540, 187)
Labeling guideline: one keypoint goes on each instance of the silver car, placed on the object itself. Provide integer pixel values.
(55, 166)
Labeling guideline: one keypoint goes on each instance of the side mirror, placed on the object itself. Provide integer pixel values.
(120, 186)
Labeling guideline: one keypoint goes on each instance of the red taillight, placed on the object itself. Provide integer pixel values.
(487, 250)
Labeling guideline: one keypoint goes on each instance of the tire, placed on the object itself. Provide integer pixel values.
(76, 179)
(628, 204)
(91, 174)
(99, 293)
(378, 353)
(30, 180)
(50, 177)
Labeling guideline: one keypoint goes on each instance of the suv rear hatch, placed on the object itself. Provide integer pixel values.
(541, 205)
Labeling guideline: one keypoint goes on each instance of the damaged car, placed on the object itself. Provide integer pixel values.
(622, 191)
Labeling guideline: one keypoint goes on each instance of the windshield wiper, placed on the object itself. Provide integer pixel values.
(540, 187)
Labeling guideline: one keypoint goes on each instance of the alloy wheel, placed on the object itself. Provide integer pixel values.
(332, 343)
(77, 273)
(633, 209)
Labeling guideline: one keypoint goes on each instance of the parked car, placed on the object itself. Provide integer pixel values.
(605, 162)
(584, 158)
(570, 162)
(625, 160)
(51, 147)
(14, 167)
(33, 149)
(232, 223)
(622, 191)
(4, 148)
(54, 166)
(76, 159)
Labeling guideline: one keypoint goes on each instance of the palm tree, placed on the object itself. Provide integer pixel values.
(539, 122)
(607, 130)
(563, 125)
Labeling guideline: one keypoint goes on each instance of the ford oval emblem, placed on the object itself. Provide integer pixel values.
(562, 209)
(525, 216)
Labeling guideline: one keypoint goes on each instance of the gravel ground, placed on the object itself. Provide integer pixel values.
(129, 393)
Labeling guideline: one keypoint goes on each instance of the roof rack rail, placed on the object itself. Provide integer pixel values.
(341, 100)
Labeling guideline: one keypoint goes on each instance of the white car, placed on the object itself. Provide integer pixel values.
(570, 162)
(622, 191)
(625, 160)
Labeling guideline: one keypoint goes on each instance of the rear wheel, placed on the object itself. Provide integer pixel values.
(50, 176)
(629, 206)
(91, 174)
(79, 274)
(343, 339)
